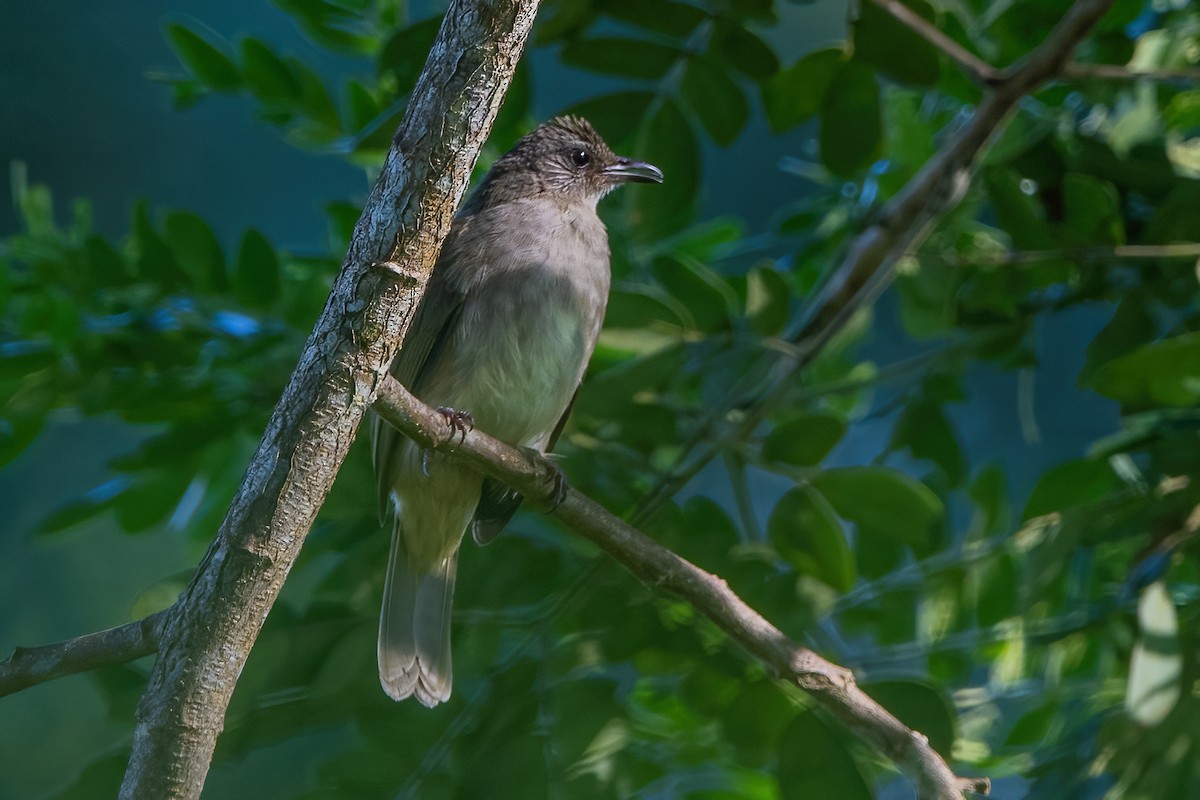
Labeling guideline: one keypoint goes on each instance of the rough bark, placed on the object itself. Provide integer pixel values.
(207, 637)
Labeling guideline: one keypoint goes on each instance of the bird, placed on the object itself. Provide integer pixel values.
(499, 342)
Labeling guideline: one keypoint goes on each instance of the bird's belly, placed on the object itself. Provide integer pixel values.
(517, 380)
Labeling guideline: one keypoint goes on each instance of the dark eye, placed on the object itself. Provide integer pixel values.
(581, 158)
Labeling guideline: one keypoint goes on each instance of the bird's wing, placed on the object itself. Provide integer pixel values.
(498, 503)
(428, 334)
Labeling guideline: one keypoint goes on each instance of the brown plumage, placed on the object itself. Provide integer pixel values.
(504, 332)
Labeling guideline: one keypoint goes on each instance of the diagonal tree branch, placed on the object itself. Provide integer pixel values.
(29, 666)
(207, 636)
(541, 482)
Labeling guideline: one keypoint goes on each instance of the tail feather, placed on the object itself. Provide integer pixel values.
(414, 628)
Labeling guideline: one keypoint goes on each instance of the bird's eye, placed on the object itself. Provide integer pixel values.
(581, 158)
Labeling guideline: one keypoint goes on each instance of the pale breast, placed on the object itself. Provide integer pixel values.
(530, 320)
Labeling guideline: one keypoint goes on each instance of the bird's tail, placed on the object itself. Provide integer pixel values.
(414, 627)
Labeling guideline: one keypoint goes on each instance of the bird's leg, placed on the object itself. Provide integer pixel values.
(460, 422)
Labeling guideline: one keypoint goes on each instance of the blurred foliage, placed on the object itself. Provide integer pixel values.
(1005, 635)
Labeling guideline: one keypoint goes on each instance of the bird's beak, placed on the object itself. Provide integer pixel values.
(627, 170)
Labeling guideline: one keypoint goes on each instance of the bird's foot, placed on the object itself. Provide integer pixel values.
(459, 422)
(556, 479)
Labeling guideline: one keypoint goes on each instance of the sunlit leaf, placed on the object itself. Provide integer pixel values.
(1163, 373)
(883, 502)
(1156, 666)
(1070, 484)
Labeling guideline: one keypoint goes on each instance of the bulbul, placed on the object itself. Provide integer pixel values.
(503, 334)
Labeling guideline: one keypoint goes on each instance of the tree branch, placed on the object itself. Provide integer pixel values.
(207, 637)
(29, 666)
(541, 482)
(1117, 72)
(1186, 250)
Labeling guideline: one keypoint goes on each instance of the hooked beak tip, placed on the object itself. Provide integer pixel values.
(626, 170)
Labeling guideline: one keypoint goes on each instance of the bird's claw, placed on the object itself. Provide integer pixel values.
(556, 479)
(459, 422)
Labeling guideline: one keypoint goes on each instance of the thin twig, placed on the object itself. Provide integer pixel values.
(1188, 250)
(1117, 72)
(29, 666)
(979, 70)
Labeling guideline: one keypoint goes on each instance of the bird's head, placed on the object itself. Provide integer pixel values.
(564, 159)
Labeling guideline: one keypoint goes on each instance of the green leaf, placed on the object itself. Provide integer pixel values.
(920, 706)
(204, 60)
(989, 492)
(23, 358)
(267, 75)
(361, 108)
(633, 58)
(894, 49)
(256, 282)
(768, 301)
(715, 99)
(741, 49)
(805, 531)
(926, 432)
(632, 307)
(794, 96)
(705, 296)
(805, 440)
(154, 262)
(1073, 483)
(17, 433)
(149, 501)
(405, 52)
(754, 721)
(1033, 728)
(813, 763)
(197, 250)
(1165, 373)
(665, 16)
(883, 502)
(670, 144)
(318, 105)
(1092, 210)
(1183, 112)
(1131, 326)
(851, 120)
(1019, 211)
(996, 595)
